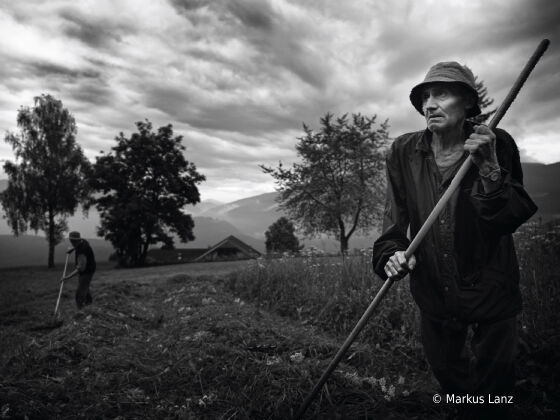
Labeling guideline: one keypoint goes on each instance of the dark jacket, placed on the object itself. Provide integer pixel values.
(466, 265)
(83, 248)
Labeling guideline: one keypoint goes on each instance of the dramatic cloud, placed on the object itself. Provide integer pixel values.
(237, 78)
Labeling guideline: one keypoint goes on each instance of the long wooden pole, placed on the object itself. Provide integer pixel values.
(61, 285)
(425, 227)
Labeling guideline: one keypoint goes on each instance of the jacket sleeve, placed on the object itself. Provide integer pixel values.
(504, 210)
(396, 217)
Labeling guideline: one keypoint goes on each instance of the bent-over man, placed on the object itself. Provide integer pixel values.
(85, 268)
(465, 272)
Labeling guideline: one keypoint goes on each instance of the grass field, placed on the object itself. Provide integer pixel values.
(243, 340)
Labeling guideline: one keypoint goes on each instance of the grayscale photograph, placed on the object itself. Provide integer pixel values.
(279, 209)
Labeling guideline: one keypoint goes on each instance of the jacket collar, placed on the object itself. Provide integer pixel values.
(425, 139)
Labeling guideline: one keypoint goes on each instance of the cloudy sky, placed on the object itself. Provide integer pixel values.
(237, 78)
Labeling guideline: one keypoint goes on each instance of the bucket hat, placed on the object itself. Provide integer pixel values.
(74, 235)
(447, 72)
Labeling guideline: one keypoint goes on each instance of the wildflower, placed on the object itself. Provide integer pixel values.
(274, 360)
(353, 378)
(382, 383)
(297, 357)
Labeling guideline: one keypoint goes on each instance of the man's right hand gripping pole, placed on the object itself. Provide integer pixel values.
(398, 266)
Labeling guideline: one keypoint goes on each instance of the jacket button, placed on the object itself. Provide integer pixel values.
(446, 288)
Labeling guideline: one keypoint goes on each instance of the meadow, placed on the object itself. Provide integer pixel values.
(248, 340)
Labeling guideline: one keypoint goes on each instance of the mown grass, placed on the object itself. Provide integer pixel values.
(333, 292)
(185, 348)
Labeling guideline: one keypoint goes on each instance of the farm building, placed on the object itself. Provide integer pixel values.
(231, 248)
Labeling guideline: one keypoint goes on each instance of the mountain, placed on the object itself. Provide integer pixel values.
(254, 215)
(542, 184)
(251, 215)
(202, 207)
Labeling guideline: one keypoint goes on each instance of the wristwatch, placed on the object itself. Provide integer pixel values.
(493, 175)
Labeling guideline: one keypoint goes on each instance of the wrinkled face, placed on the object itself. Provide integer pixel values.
(445, 107)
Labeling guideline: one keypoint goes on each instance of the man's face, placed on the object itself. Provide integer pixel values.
(444, 107)
(74, 242)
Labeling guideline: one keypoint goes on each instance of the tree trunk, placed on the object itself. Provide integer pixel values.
(50, 239)
(342, 238)
(144, 253)
(343, 245)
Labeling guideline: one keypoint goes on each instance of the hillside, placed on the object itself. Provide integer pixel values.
(31, 250)
(252, 215)
(541, 181)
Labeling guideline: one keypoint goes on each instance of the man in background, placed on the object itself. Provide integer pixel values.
(85, 268)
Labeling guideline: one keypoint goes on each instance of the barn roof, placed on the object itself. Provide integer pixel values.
(231, 242)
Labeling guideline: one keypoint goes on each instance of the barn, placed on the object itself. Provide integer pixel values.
(229, 249)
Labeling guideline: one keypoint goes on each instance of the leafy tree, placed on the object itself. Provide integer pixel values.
(144, 183)
(281, 237)
(47, 181)
(339, 185)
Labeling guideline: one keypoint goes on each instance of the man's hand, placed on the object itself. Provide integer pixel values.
(481, 144)
(69, 276)
(397, 267)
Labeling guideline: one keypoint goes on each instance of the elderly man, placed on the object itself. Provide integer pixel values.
(85, 267)
(465, 272)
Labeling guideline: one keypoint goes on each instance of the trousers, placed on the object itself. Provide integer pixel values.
(487, 374)
(83, 295)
